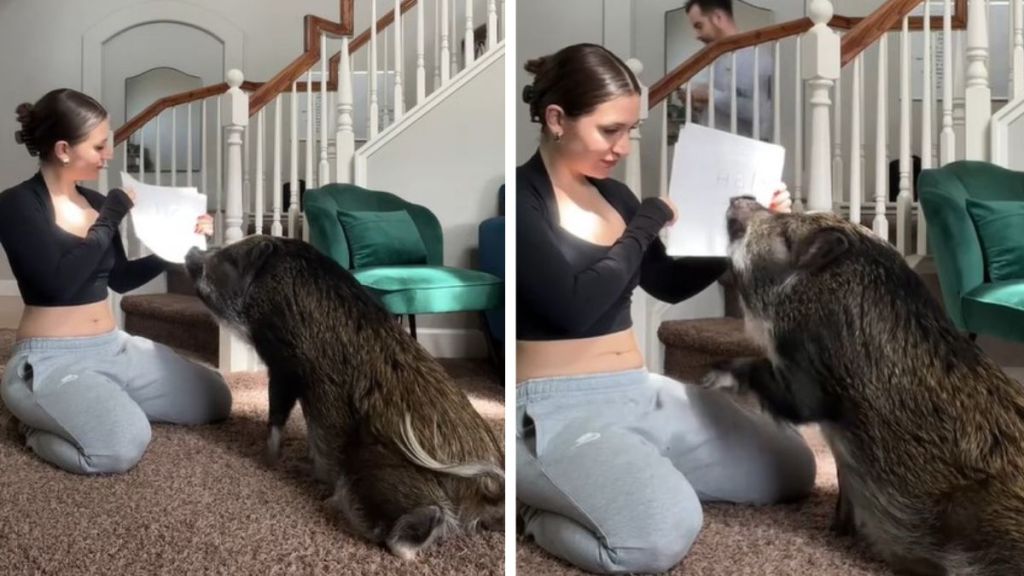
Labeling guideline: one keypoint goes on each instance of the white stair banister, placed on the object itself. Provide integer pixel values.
(757, 93)
(1018, 48)
(142, 157)
(374, 114)
(880, 224)
(492, 25)
(926, 123)
(261, 135)
(948, 138)
(856, 139)
(822, 55)
(221, 183)
(174, 146)
(733, 120)
(246, 181)
(470, 44)
(203, 165)
(421, 65)
(235, 121)
(399, 96)
(798, 136)
(979, 93)
(188, 147)
(158, 180)
(310, 137)
(776, 99)
(345, 137)
(275, 226)
(837, 141)
(445, 49)
(293, 185)
(324, 173)
(904, 199)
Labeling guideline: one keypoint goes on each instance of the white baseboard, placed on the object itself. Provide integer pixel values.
(9, 288)
(453, 343)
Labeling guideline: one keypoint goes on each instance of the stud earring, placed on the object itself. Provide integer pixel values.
(64, 161)
(558, 136)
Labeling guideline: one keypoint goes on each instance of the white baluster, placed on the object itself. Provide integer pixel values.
(188, 145)
(174, 146)
(503, 17)
(633, 165)
(960, 93)
(445, 55)
(310, 136)
(711, 97)
(798, 142)
(880, 224)
(455, 27)
(948, 137)
(237, 103)
(823, 43)
(142, 155)
(1018, 48)
(374, 106)
(756, 133)
(275, 226)
(926, 124)
(777, 96)
(219, 165)
(260, 136)
(388, 94)
(421, 63)
(733, 120)
(492, 25)
(856, 139)
(324, 174)
(437, 43)
(470, 43)
(203, 170)
(979, 94)
(293, 174)
(399, 97)
(246, 179)
(158, 179)
(345, 137)
(689, 103)
(837, 142)
(904, 199)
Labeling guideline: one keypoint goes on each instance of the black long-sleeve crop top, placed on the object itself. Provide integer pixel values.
(54, 267)
(567, 287)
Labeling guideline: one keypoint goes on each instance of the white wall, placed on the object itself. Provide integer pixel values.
(418, 166)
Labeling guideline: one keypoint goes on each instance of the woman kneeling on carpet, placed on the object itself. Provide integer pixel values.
(83, 390)
(613, 462)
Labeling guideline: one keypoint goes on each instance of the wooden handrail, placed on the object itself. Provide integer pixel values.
(127, 129)
(890, 17)
(886, 18)
(154, 109)
(314, 27)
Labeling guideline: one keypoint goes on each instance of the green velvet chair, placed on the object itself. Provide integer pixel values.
(397, 257)
(963, 252)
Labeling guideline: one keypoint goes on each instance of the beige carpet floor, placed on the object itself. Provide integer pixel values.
(200, 502)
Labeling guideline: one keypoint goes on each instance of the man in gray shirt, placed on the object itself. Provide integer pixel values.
(713, 20)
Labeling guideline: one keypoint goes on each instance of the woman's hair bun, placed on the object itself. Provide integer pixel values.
(535, 65)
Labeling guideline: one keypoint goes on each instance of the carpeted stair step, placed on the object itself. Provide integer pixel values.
(691, 346)
(177, 320)
(178, 281)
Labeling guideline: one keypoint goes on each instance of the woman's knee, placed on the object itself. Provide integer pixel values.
(218, 395)
(664, 539)
(790, 470)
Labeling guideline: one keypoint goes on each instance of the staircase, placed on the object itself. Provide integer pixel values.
(849, 127)
(262, 150)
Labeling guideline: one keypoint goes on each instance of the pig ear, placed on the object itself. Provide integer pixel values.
(257, 257)
(820, 249)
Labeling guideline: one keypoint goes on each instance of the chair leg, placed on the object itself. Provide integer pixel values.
(493, 352)
(973, 336)
(412, 325)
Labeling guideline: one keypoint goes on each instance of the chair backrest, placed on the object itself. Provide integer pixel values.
(951, 234)
(326, 233)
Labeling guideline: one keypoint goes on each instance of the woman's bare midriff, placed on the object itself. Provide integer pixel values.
(551, 358)
(66, 321)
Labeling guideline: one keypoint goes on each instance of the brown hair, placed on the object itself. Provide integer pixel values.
(708, 6)
(61, 114)
(578, 79)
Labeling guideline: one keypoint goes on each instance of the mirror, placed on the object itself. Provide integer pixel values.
(146, 88)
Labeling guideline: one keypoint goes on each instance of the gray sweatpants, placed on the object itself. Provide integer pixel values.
(85, 404)
(611, 469)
